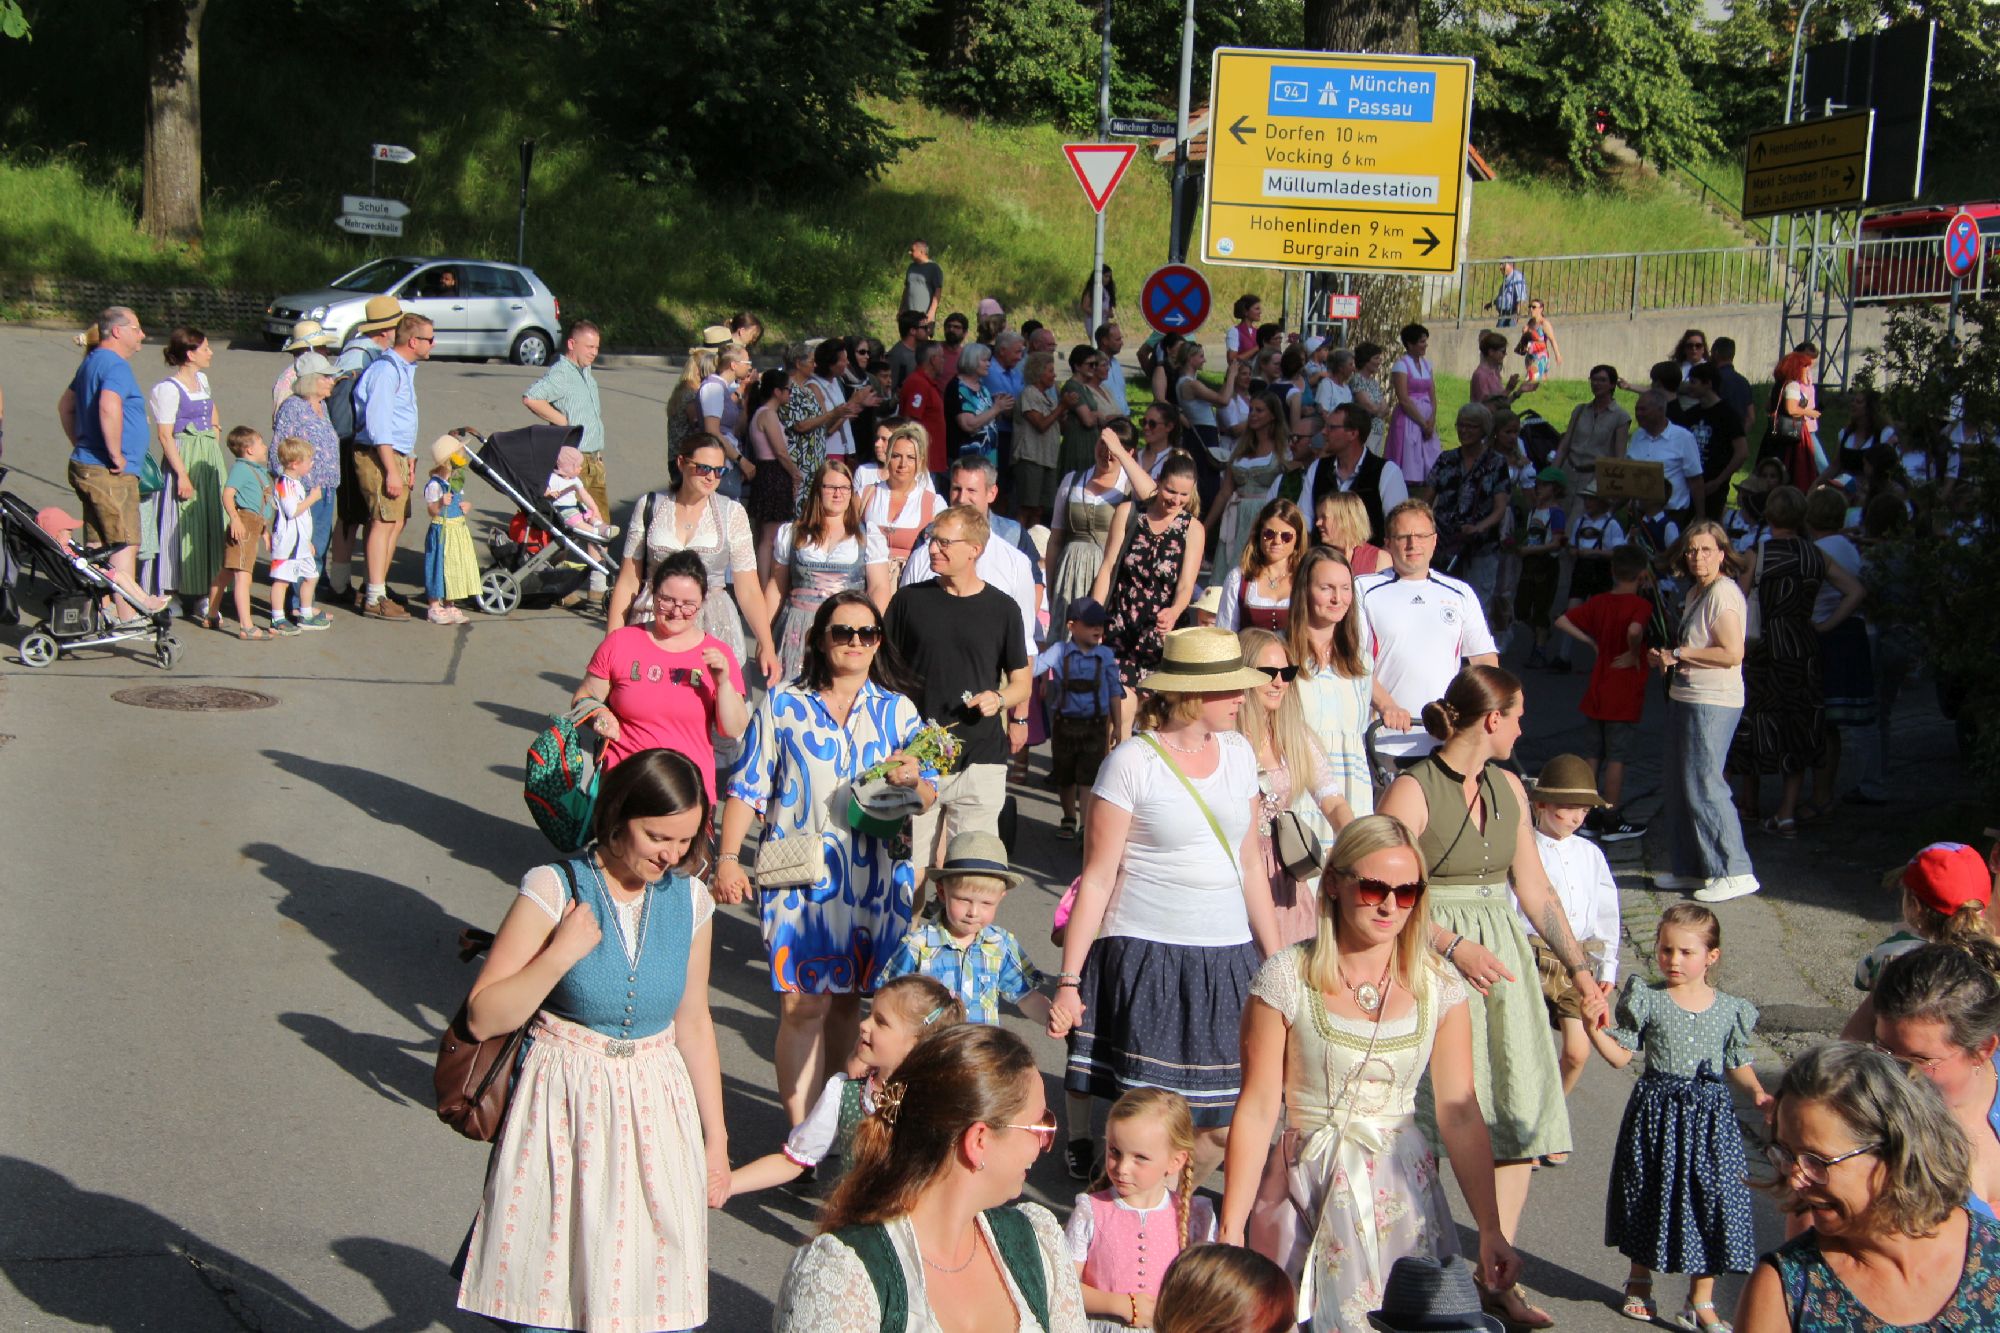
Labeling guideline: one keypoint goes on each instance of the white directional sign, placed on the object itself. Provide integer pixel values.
(361, 206)
(369, 226)
(392, 152)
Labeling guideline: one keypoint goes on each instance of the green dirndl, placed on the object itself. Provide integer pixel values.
(202, 520)
(1513, 1060)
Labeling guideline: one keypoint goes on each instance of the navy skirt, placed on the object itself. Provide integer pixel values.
(1680, 1200)
(1163, 1016)
(1847, 674)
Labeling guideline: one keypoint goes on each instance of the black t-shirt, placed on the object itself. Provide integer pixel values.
(1735, 391)
(957, 646)
(1715, 430)
(921, 285)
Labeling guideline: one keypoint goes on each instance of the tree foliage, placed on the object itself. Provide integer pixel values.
(1019, 60)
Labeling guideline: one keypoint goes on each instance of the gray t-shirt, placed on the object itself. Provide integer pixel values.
(922, 283)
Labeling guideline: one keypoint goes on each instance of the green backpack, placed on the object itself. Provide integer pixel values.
(561, 784)
(1013, 1236)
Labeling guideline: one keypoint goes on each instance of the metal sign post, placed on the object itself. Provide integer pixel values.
(521, 231)
(1962, 244)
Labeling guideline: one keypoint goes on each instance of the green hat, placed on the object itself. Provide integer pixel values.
(1556, 475)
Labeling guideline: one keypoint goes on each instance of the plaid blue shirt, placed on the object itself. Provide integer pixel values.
(983, 973)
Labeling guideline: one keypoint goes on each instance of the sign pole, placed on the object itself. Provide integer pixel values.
(1103, 134)
(521, 230)
(1177, 239)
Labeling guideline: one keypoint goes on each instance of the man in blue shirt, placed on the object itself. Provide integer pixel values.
(385, 447)
(104, 415)
(1003, 375)
(1513, 294)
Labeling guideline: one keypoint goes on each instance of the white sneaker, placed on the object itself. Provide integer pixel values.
(1729, 886)
(1680, 883)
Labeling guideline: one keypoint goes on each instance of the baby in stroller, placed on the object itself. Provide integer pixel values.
(59, 524)
(90, 605)
(572, 502)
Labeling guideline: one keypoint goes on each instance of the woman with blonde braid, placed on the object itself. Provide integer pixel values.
(1339, 1032)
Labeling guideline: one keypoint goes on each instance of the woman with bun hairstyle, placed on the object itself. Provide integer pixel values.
(1224, 1289)
(925, 1218)
(1470, 819)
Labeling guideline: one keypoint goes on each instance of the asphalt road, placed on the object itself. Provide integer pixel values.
(229, 944)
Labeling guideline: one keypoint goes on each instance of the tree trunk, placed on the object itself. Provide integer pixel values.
(1388, 302)
(172, 204)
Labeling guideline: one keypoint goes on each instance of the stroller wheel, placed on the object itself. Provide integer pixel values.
(38, 649)
(167, 651)
(499, 593)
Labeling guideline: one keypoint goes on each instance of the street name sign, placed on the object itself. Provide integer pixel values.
(1328, 161)
(1099, 167)
(369, 226)
(1122, 128)
(361, 206)
(1808, 165)
(391, 152)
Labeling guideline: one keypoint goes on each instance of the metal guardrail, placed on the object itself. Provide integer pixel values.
(1910, 268)
(1629, 284)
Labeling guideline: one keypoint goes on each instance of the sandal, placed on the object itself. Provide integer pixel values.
(1690, 1318)
(1514, 1310)
(210, 621)
(1555, 1159)
(1781, 828)
(250, 633)
(1639, 1300)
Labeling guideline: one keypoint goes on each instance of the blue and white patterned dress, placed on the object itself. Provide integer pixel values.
(833, 937)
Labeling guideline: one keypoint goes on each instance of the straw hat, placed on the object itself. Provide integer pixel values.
(381, 312)
(1205, 660)
(976, 854)
(1566, 780)
(1210, 600)
(308, 333)
(446, 449)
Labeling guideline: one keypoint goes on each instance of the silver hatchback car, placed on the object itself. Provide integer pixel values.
(481, 309)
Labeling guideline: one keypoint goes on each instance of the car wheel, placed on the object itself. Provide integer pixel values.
(532, 348)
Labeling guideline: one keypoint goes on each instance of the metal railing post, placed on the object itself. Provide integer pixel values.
(1638, 263)
(1464, 281)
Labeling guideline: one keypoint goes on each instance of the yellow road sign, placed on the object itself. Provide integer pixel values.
(1328, 161)
(1808, 165)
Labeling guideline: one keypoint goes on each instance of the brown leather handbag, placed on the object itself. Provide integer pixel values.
(474, 1078)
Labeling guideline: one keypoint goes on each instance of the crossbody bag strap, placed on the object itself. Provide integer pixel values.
(1214, 826)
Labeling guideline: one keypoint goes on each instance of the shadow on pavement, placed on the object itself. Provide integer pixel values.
(525, 720)
(388, 938)
(418, 1288)
(499, 846)
(100, 1261)
(399, 1070)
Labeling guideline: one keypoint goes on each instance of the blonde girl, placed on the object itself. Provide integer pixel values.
(1143, 1211)
(1678, 1201)
(1292, 774)
(683, 406)
(903, 1013)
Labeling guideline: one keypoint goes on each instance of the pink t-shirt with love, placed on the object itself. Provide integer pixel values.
(663, 700)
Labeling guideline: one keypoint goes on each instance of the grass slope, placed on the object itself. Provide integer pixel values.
(653, 263)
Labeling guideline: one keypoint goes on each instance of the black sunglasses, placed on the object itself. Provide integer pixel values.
(1284, 673)
(1372, 893)
(845, 635)
(710, 469)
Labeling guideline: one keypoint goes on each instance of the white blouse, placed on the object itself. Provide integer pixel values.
(827, 1288)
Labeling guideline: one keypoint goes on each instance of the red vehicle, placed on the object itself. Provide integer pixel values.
(1901, 254)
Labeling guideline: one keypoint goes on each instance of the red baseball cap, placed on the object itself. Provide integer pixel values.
(1945, 876)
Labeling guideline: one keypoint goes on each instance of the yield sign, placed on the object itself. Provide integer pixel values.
(1961, 244)
(1099, 167)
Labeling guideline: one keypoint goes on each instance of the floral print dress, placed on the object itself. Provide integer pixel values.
(1144, 584)
(808, 448)
(1817, 1299)
(1351, 1185)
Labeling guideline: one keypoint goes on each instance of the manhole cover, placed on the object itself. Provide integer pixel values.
(194, 698)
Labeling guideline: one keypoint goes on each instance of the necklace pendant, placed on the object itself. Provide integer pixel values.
(1367, 997)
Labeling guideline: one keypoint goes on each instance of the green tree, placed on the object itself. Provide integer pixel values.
(13, 23)
(774, 97)
(1019, 60)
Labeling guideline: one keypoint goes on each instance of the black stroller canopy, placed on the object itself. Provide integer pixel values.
(527, 456)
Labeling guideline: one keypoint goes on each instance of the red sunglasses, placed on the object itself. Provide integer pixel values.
(1372, 893)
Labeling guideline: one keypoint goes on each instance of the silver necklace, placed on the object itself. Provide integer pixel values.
(940, 1268)
(1368, 997)
(1178, 749)
(632, 951)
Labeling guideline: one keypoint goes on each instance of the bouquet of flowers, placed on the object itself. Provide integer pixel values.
(934, 747)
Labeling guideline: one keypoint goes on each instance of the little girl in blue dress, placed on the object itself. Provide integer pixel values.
(1678, 1201)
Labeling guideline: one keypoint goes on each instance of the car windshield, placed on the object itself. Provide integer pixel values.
(376, 277)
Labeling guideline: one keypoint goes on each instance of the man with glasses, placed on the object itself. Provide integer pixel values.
(963, 640)
(913, 328)
(103, 414)
(1420, 627)
(385, 447)
(1008, 562)
(1110, 342)
(1347, 465)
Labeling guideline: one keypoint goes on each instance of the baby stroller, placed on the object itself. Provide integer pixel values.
(79, 581)
(537, 554)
